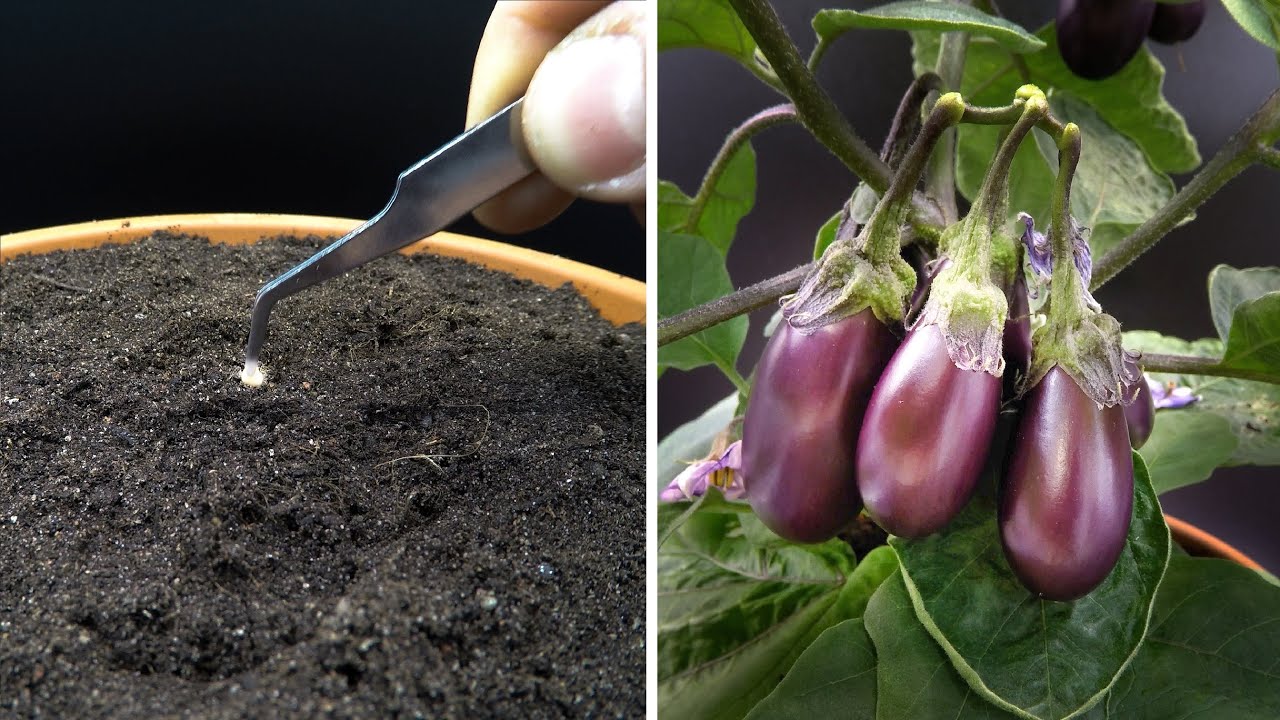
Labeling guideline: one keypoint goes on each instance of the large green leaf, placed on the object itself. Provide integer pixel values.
(692, 272)
(1259, 18)
(1252, 409)
(731, 198)
(834, 678)
(737, 605)
(1036, 658)
(1187, 449)
(1228, 287)
(692, 441)
(1115, 188)
(916, 679)
(925, 15)
(1213, 650)
(709, 24)
(1254, 340)
(1130, 103)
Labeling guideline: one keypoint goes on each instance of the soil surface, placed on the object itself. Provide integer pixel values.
(175, 544)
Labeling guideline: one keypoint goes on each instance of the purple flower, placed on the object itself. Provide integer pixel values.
(1168, 396)
(723, 473)
(1037, 245)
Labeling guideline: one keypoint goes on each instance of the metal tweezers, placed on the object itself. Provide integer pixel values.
(434, 192)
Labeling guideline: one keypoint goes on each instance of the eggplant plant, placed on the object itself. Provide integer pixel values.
(937, 491)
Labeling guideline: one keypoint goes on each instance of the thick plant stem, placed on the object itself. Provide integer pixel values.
(940, 177)
(767, 118)
(1259, 131)
(1192, 365)
(818, 112)
(884, 242)
(1066, 301)
(730, 306)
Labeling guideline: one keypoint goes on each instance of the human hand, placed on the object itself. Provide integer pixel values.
(581, 68)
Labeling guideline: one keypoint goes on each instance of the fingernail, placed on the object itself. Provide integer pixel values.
(584, 116)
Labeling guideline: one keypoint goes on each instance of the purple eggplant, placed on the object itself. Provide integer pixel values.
(802, 424)
(925, 436)
(1140, 416)
(1067, 494)
(1176, 23)
(1016, 344)
(1098, 37)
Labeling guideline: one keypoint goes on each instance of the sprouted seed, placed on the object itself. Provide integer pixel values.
(252, 375)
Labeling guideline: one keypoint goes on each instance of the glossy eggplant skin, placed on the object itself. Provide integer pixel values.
(925, 437)
(1140, 416)
(1176, 23)
(1067, 495)
(1098, 37)
(1017, 333)
(802, 424)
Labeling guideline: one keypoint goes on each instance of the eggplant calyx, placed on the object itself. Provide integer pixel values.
(846, 282)
(1088, 350)
(970, 313)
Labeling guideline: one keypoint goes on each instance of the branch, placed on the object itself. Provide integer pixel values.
(1192, 365)
(817, 111)
(767, 118)
(1260, 130)
(730, 306)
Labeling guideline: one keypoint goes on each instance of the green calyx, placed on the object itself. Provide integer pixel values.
(1082, 340)
(967, 299)
(867, 270)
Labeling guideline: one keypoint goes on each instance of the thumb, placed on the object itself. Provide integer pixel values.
(584, 111)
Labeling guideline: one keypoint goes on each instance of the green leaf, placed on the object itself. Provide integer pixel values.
(709, 24)
(916, 679)
(732, 197)
(1254, 339)
(826, 235)
(1212, 651)
(1258, 18)
(1037, 658)
(1115, 189)
(1187, 449)
(672, 515)
(834, 678)
(692, 273)
(737, 605)
(1228, 287)
(931, 16)
(1251, 408)
(692, 441)
(1130, 102)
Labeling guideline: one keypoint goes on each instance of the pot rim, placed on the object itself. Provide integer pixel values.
(1199, 542)
(618, 298)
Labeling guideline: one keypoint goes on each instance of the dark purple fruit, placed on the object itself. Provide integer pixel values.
(925, 436)
(1067, 494)
(1176, 23)
(1098, 37)
(802, 424)
(1017, 331)
(1140, 416)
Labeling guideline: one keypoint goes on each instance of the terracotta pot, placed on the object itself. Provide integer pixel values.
(1201, 544)
(619, 299)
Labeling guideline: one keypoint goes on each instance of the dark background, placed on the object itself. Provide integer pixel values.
(799, 185)
(119, 109)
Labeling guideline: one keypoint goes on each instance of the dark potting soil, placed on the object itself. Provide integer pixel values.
(175, 544)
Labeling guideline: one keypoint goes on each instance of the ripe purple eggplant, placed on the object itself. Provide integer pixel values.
(1176, 23)
(925, 436)
(1098, 37)
(1067, 494)
(802, 424)
(1140, 416)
